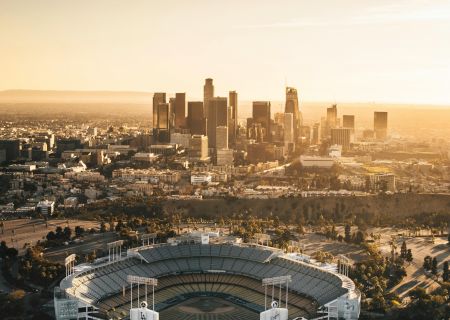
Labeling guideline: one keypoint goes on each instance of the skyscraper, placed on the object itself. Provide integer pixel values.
(162, 131)
(348, 121)
(222, 137)
(233, 117)
(217, 116)
(261, 115)
(208, 94)
(158, 97)
(380, 120)
(332, 116)
(293, 107)
(316, 134)
(288, 125)
(180, 110)
(196, 120)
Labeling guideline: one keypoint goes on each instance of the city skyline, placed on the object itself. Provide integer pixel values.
(204, 159)
(358, 52)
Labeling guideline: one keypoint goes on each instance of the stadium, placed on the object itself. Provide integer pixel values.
(205, 278)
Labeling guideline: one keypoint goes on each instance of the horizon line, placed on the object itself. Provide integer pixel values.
(332, 101)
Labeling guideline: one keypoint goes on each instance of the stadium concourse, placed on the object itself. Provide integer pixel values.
(204, 278)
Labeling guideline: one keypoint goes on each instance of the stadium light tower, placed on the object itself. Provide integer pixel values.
(263, 237)
(69, 263)
(344, 264)
(276, 281)
(146, 282)
(146, 238)
(115, 250)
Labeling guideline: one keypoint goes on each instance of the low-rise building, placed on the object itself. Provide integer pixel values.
(45, 207)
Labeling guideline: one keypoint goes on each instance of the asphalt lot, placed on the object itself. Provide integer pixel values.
(16, 233)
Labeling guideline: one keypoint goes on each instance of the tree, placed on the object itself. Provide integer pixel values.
(359, 237)
(403, 250)
(434, 266)
(445, 274)
(102, 227)
(11, 253)
(427, 263)
(59, 232)
(448, 238)
(51, 236)
(409, 256)
(348, 235)
(79, 231)
(67, 233)
(3, 248)
(119, 225)
(418, 293)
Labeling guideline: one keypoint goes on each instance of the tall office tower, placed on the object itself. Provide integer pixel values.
(198, 150)
(380, 120)
(222, 137)
(162, 131)
(180, 110)
(217, 116)
(261, 115)
(233, 117)
(293, 107)
(196, 120)
(316, 134)
(288, 124)
(158, 97)
(348, 121)
(171, 113)
(342, 137)
(208, 94)
(332, 116)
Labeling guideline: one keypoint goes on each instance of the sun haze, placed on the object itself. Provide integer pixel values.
(382, 51)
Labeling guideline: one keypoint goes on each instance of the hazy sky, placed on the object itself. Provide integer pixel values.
(342, 50)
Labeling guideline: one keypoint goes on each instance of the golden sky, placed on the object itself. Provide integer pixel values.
(340, 50)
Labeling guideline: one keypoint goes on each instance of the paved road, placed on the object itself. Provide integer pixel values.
(90, 243)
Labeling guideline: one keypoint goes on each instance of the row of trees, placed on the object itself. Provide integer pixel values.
(34, 268)
(61, 235)
(431, 264)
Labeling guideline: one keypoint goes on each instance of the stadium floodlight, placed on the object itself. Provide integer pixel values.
(276, 280)
(344, 264)
(142, 281)
(263, 237)
(69, 263)
(114, 250)
(114, 244)
(146, 238)
(69, 259)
